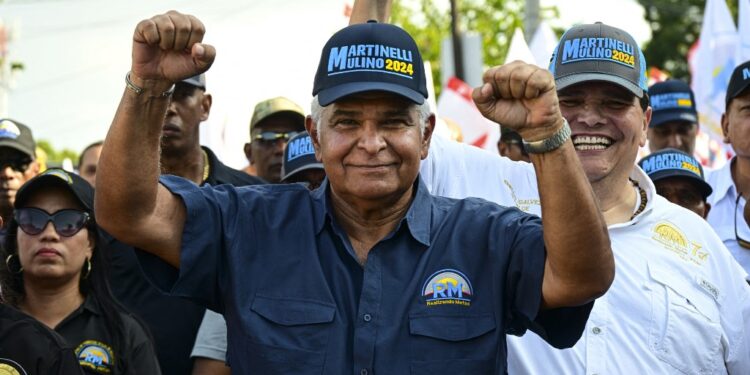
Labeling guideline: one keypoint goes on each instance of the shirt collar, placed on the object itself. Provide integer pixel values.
(724, 185)
(418, 217)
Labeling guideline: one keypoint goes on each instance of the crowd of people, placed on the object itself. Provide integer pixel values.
(358, 241)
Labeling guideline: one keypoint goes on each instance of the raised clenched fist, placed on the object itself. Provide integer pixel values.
(167, 48)
(521, 97)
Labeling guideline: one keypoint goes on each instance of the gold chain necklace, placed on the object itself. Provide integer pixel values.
(206, 167)
(644, 198)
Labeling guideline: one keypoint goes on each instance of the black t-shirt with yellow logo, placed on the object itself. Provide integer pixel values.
(28, 347)
(85, 330)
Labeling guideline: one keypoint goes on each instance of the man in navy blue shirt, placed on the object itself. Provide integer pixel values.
(368, 273)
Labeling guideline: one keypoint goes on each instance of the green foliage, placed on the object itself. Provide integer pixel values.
(429, 22)
(675, 25)
(56, 157)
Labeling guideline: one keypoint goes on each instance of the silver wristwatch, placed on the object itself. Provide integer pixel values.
(551, 143)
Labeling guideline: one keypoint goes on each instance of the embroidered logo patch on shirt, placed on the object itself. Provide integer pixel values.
(447, 287)
(677, 242)
(96, 356)
(11, 367)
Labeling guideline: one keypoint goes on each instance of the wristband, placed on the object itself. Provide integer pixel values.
(551, 143)
(139, 90)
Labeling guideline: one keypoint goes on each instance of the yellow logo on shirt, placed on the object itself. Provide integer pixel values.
(522, 204)
(677, 242)
(447, 287)
(10, 367)
(96, 356)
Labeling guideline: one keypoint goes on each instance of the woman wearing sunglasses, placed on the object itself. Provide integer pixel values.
(54, 272)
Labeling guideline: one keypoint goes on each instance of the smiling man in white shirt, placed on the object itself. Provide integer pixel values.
(731, 183)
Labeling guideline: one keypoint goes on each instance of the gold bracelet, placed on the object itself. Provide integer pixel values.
(139, 90)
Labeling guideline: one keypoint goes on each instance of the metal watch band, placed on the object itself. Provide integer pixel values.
(139, 90)
(551, 143)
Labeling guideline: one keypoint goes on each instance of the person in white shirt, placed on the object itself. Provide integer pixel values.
(731, 183)
(678, 303)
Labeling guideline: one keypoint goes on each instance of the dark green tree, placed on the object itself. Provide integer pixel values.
(675, 26)
(55, 157)
(429, 22)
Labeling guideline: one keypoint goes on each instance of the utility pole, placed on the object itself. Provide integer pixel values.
(531, 19)
(458, 60)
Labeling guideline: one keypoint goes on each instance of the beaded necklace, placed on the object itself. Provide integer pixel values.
(643, 200)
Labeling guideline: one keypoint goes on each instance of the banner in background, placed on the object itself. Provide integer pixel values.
(455, 104)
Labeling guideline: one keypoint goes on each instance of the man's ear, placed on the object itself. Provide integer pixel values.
(646, 121)
(427, 136)
(248, 152)
(206, 102)
(312, 129)
(725, 127)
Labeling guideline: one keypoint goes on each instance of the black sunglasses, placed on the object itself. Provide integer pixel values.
(743, 242)
(270, 137)
(66, 222)
(18, 165)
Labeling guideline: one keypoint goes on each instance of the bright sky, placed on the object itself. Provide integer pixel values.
(76, 54)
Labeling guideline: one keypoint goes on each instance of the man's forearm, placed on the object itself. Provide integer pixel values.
(579, 258)
(128, 172)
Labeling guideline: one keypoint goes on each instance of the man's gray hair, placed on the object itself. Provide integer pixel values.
(316, 112)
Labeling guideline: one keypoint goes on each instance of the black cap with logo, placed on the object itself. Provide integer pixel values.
(81, 189)
(671, 162)
(739, 82)
(18, 136)
(370, 57)
(672, 100)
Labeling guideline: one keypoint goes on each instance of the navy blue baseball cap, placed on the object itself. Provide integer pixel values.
(739, 82)
(299, 155)
(672, 100)
(671, 162)
(370, 57)
(599, 52)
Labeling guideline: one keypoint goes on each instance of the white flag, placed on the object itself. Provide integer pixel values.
(712, 65)
(519, 50)
(743, 23)
(543, 43)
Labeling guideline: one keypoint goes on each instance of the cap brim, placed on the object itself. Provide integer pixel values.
(302, 168)
(330, 95)
(577, 78)
(661, 117)
(701, 184)
(5, 142)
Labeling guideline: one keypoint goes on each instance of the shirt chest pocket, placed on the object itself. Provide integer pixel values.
(286, 335)
(453, 344)
(685, 329)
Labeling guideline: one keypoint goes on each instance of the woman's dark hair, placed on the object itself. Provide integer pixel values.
(94, 283)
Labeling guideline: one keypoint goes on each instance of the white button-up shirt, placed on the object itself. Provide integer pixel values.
(679, 302)
(723, 211)
(457, 170)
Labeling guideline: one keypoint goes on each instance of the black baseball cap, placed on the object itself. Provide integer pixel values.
(672, 100)
(599, 52)
(370, 57)
(739, 82)
(18, 136)
(197, 81)
(299, 155)
(82, 190)
(671, 162)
